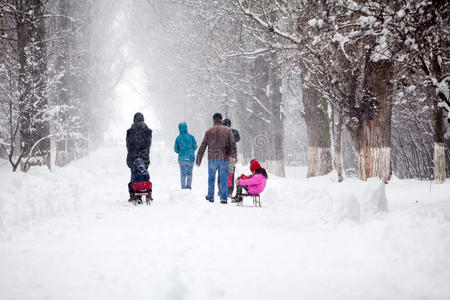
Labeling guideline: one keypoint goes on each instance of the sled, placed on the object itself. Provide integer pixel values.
(256, 200)
(143, 189)
(146, 194)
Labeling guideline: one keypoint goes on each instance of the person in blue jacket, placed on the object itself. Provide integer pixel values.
(185, 146)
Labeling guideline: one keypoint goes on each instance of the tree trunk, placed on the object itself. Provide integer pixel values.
(439, 120)
(243, 124)
(318, 128)
(275, 162)
(32, 85)
(337, 130)
(260, 117)
(43, 149)
(24, 85)
(64, 154)
(370, 123)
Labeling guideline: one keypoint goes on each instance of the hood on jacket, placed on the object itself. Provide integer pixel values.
(227, 122)
(138, 117)
(183, 128)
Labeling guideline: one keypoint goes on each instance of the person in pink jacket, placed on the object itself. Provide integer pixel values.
(254, 184)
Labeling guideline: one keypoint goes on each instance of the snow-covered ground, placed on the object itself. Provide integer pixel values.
(69, 234)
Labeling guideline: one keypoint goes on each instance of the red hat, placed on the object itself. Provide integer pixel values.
(254, 165)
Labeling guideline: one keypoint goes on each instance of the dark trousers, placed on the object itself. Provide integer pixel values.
(231, 188)
(239, 189)
(130, 184)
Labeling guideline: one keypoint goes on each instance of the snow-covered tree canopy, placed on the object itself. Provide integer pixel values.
(342, 84)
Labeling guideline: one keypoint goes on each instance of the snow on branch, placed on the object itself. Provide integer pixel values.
(245, 93)
(271, 27)
(27, 159)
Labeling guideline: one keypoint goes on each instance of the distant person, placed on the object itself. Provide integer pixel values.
(232, 166)
(237, 137)
(139, 140)
(221, 149)
(185, 146)
(253, 184)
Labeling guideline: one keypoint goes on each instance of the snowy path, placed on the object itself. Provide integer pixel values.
(183, 247)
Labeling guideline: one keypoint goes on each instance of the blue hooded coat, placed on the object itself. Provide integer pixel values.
(185, 145)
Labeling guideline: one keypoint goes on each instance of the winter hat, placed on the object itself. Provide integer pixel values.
(138, 117)
(227, 122)
(254, 165)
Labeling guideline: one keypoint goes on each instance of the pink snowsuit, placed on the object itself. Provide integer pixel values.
(256, 184)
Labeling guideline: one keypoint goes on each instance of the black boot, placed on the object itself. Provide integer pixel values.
(131, 192)
(237, 199)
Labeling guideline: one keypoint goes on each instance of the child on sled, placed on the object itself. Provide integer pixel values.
(140, 181)
(253, 184)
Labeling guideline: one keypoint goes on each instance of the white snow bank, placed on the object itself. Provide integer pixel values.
(41, 193)
(183, 247)
(323, 199)
(371, 196)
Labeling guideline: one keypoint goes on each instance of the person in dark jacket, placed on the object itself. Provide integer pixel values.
(221, 149)
(232, 166)
(237, 137)
(139, 140)
(185, 146)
